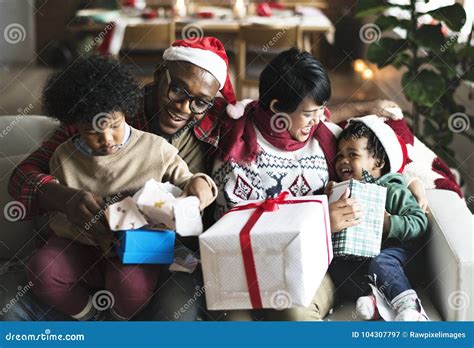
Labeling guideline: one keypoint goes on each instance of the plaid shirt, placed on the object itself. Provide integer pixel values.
(33, 172)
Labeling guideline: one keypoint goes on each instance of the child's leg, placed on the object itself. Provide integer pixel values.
(393, 282)
(60, 272)
(389, 268)
(349, 277)
(132, 286)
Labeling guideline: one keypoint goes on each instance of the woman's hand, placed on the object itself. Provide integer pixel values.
(344, 213)
(200, 188)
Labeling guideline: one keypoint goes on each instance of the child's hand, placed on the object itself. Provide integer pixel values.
(83, 208)
(418, 191)
(386, 225)
(422, 202)
(329, 187)
(201, 189)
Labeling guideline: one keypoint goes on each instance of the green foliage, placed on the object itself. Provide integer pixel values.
(435, 65)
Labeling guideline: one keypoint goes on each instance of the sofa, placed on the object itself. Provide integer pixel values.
(446, 264)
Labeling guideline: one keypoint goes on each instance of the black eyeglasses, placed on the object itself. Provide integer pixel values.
(197, 105)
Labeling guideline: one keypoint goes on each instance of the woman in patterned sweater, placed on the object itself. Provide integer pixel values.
(282, 143)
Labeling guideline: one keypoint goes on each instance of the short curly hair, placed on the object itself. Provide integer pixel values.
(356, 130)
(89, 86)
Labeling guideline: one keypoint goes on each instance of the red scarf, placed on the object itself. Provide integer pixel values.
(238, 141)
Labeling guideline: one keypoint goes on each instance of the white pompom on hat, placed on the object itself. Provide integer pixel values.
(393, 145)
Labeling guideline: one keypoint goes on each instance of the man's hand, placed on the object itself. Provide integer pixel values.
(385, 108)
(201, 189)
(380, 107)
(344, 213)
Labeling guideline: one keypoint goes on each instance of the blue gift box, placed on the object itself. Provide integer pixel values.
(146, 246)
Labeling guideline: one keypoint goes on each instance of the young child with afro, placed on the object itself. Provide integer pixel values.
(108, 158)
(368, 144)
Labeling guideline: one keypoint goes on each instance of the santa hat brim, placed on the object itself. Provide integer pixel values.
(393, 145)
(205, 59)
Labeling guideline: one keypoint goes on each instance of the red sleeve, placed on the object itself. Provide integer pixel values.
(33, 172)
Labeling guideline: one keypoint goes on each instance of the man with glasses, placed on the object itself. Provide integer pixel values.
(181, 106)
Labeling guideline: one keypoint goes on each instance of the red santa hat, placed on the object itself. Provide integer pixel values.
(209, 54)
(393, 145)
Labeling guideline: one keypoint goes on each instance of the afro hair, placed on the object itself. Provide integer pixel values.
(89, 86)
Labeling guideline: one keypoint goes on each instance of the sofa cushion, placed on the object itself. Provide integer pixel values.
(24, 134)
(16, 237)
(451, 254)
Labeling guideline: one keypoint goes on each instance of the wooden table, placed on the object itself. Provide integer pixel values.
(312, 27)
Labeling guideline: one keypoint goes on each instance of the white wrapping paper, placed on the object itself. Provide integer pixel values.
(291, 247)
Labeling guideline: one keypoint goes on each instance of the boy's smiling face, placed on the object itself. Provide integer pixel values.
(353, 156)
(105, 134)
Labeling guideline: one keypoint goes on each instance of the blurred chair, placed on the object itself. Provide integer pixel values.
(260, 43)
(143, 44)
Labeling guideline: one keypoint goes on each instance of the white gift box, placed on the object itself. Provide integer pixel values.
(291, 248)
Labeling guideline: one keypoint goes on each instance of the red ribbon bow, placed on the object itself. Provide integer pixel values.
(268, 205)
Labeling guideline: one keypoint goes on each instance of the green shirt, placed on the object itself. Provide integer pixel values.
(407, 221)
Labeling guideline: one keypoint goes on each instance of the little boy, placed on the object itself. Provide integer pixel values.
(368, 144)
(111, 159)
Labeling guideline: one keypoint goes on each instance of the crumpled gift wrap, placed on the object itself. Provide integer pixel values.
(160, 206)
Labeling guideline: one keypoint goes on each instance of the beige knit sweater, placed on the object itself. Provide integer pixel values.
(121, 174)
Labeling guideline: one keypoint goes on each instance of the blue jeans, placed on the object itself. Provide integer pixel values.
(178, 297)
(350, 275)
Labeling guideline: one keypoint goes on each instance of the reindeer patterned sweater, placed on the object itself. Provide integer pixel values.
(302, 172)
